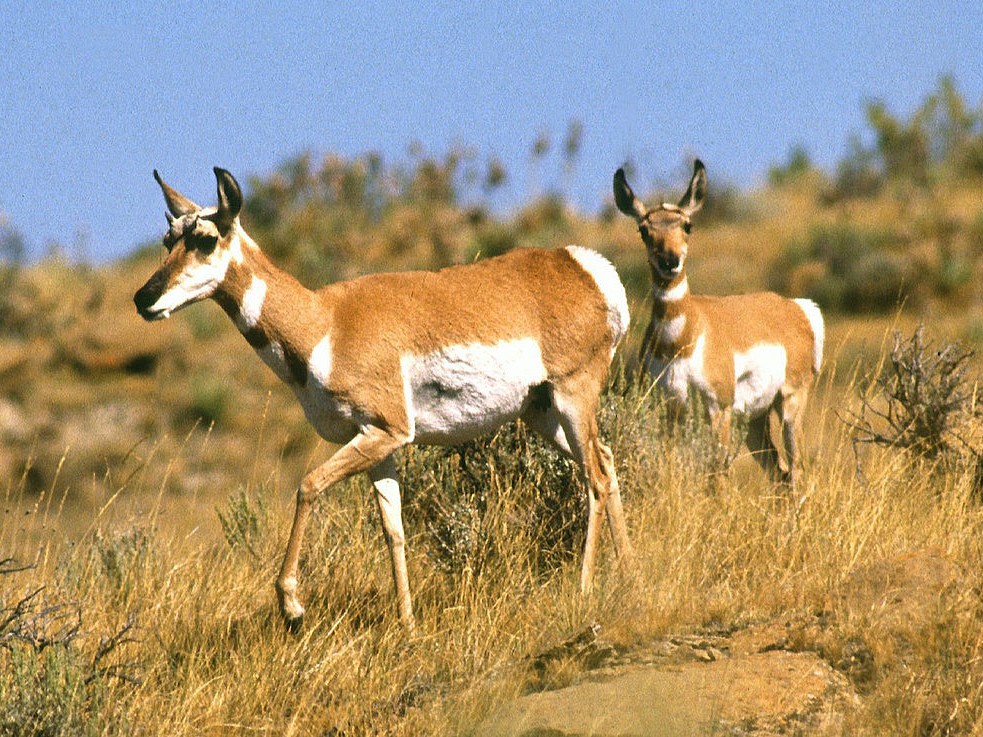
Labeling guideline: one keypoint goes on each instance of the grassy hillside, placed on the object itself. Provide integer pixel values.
(148, 472)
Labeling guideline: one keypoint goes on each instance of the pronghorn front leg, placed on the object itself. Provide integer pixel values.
(720, 420)
(370, 447)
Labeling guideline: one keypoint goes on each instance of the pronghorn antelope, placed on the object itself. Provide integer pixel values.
(421, 357)
(753, 355)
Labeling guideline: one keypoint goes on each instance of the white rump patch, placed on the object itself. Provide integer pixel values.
(462, 391)
(607, 280)
(759, 374)
(252, 304)
(815, 318)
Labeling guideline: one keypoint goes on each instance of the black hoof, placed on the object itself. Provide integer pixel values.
(294, 625)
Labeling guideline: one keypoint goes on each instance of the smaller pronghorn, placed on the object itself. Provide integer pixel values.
(752, 355)
(420, 357)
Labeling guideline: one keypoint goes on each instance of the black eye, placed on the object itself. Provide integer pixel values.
(687, 226)
(204, 244)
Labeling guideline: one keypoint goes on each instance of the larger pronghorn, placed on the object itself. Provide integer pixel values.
(753, 354)
(421, 357)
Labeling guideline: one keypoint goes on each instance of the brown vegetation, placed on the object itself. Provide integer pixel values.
(148, 471)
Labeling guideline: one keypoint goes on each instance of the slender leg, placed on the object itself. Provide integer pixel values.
(365, 450)
(720, 420)
(615, 510)
(760, 444)
(386, 483)
(580, 429)
(792, 407)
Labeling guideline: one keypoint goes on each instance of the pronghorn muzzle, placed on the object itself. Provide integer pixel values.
(149, 294)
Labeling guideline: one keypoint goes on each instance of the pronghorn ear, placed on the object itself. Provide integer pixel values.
(177, 203)
(229, 199)
(697, 192)
(625, 199)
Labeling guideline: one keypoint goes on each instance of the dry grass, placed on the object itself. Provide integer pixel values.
(160, 533)
(208, 654)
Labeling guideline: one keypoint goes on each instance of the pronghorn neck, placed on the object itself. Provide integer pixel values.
(674, 290)
(672, 327)
(272, 310)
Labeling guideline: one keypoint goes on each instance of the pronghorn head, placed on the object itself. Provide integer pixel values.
(200, 243)
(664, 229)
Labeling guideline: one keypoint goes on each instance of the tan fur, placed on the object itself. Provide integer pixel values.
(722, 328)
(342, 349)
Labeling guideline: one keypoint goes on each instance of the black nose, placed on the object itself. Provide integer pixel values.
(143, 299)
(668, 261)
(149, 293)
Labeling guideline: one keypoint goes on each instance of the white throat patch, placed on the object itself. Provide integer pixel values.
(252, 304)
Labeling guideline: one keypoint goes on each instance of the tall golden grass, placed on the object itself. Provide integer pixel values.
(185, 587)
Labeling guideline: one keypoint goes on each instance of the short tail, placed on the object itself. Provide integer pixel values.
(815, 317)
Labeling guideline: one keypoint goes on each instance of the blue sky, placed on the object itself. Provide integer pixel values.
(95, 95)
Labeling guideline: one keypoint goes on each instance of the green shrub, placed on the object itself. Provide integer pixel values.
(244, 522)
(852, 269)
(51, 684)
(477, 500)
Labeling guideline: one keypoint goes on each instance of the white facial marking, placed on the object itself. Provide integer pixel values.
(196, 281)
(235, 245)
(759, 374)
(608, 281)
(320, 362)
(462, 391)
(252, 304)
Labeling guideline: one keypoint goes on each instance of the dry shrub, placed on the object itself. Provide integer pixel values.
(924, 401)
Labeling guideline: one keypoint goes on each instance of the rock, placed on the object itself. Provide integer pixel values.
(759, 693)
(903, 593)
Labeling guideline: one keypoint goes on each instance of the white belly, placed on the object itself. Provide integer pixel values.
(759, 374)
(463, 391)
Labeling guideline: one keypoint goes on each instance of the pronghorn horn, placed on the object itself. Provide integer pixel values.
(177, 203)
(170, 218)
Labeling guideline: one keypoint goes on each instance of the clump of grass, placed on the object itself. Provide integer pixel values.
(509, 486)
(53, 683)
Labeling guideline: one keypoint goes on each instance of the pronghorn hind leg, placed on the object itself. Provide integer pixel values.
(759, 442)
(793, 405)
(575, 416)
(365, 450)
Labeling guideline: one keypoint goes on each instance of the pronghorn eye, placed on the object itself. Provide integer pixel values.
(204, 244)
(687, 226)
